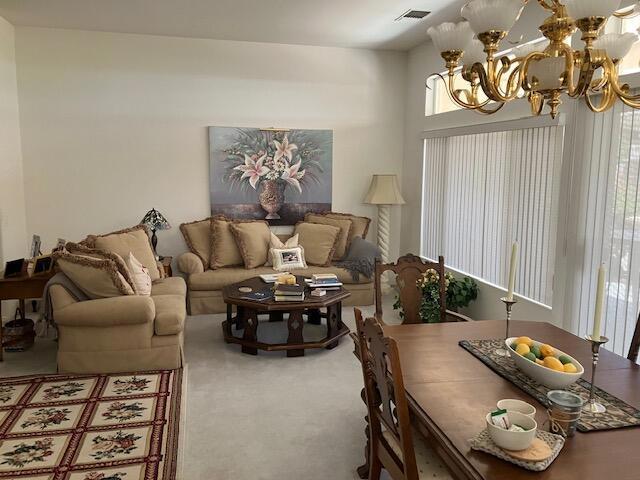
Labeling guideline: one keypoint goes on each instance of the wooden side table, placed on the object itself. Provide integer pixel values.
(166, 264)
(21, 289)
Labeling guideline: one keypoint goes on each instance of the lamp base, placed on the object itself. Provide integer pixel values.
(154, 243)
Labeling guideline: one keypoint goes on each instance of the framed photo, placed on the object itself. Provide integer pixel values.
(35, 246)
(15, 268)
(285, 259)
(43, 264)
(60, 245)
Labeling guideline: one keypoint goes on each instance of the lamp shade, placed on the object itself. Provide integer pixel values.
(615, 44)
(384, 190)
(487, 15)
(451, 36)
(155, 220)
(578, 9)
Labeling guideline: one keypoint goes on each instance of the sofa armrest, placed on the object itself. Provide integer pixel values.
(107, 312)
(190, 263)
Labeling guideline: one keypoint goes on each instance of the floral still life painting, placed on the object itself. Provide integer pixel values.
(276, 175)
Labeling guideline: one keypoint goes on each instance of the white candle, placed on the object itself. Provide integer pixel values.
(512, 270)
(597, 317)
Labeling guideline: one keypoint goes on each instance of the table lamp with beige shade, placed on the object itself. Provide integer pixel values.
(384, 192)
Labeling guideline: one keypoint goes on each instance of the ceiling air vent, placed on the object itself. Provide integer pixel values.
(413, 14)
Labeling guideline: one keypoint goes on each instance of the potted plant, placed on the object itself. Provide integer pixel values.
(460, 293)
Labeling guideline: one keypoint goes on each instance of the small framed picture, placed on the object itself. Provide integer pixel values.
(288, 258)
(43, 264)
(15, 268)
(59, 245)
(35, 246)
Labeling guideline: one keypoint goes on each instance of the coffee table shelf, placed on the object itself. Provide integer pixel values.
(249, 312)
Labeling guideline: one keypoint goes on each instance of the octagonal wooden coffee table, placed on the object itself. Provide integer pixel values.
(248, 313)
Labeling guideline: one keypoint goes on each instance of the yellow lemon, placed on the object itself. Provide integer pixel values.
(522, 349)
(554, 364)
(526, 340)
(547, 351)
(570, 368)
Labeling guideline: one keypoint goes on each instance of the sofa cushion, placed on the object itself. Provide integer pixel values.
(319, 242)
(119, 261)
(169, 286)
(252, 239)
(171, 312)
(97, 278)
(130, 240)
(360, 224)
(224, 250)
(344, 224)
(216, 279)
(140, 275)
(197, 235)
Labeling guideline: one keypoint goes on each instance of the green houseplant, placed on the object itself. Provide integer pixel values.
(460, 293)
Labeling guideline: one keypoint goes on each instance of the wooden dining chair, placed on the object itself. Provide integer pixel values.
(408, 270)
(635, 343)
(393, 444)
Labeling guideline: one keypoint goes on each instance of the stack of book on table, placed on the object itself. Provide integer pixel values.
(289, 293)
(326, 281)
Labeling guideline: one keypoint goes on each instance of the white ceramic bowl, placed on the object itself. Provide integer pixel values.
(514, 441)
(513, 405)
(543, 375)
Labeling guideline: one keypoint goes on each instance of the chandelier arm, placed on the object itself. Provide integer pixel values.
(627, 12)
(546, 6)
(454, 94)
(489, 80)
(607, 101)
(488, 111)
(622, 91)
(592, 61)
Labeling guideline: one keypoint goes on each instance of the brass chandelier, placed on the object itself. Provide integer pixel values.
(542, 75)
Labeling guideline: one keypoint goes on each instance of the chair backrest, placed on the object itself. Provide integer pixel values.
(388, 411)
(409, 269)
(635, 343)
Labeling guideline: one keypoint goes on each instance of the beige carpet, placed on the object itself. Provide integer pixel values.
(258, 418)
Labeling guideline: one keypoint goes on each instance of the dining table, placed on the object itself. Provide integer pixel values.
(450, 392)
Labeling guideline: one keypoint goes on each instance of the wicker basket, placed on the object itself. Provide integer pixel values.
(18, 334)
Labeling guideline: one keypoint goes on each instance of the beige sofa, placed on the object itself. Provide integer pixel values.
(120, 332)
(205, 285)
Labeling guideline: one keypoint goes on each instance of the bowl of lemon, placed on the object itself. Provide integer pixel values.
(543, 363)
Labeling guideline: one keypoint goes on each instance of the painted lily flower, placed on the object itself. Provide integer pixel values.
(253, 169)
(292, 174)
(284, 149)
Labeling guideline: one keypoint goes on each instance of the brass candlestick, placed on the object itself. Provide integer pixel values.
(508, 303)
(593, 406)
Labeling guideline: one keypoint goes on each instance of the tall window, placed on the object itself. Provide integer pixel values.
(483, 191)
(607, 199)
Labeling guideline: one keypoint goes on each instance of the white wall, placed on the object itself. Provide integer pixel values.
(13, 238)
(114, 124)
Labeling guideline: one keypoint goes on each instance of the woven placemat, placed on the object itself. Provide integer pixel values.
(619, 414)
(484, 443)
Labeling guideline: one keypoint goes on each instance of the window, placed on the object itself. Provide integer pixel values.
(607, 197)
(484, 190)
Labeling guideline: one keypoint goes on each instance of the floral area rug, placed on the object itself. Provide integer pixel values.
(90, 427)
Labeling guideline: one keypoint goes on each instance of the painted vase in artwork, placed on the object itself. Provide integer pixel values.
(272, 197)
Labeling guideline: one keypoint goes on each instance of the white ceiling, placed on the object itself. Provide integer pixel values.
(340, 23)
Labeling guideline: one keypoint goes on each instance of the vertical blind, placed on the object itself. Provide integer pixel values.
(482, 192)
(607, 203)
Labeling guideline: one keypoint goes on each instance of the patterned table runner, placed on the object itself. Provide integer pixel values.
(619, 414)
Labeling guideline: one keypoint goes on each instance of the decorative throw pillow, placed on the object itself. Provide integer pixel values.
(103, 255)
(197, 235)
(224, 250)
(275, 242)
(140, 274)
(360, 224)
(286, 259)
(344, 224)
(252, 239)
(97, 278)
(319, 242)
(135, 240)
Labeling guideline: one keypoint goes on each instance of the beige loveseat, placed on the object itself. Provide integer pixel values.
(126, 332)
(205, 284)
